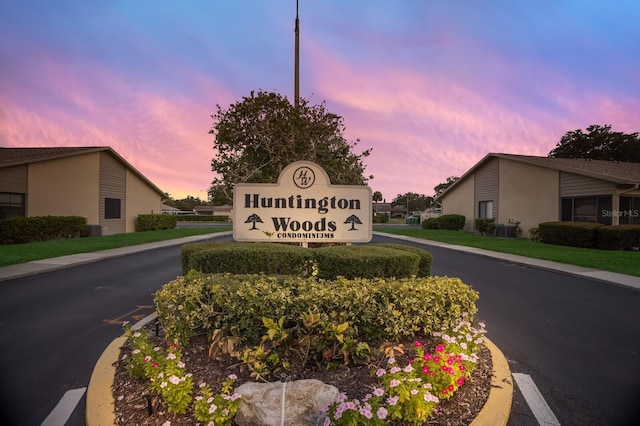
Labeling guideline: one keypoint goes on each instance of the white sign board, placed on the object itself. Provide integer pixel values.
(302, 207)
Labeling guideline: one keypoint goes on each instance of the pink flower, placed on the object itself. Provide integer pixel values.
(233, 377)
(212, 408)
(440, 348)
(380, 372)
(366, 413)
(382, 413)
(394, 383)
(378, 391)
(393, 400)
(417, 343)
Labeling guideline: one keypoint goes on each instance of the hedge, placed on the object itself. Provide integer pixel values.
(376, 309)
(619, 237)
(16, 230)
(154, 222)
(370, 260)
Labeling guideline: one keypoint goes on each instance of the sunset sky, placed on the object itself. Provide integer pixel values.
(431, 85)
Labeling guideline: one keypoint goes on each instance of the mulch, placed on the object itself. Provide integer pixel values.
(135, 406)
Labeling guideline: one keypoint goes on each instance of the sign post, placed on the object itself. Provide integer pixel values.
(303, 206)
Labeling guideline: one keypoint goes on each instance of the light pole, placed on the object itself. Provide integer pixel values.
(296, 77)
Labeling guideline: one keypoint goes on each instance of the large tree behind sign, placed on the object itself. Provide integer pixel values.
(600, 143)
(259, 136)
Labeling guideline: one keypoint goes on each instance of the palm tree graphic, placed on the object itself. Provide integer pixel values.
(353, 219)
(254, 218)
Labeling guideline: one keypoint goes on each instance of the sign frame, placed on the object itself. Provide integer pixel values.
(302, 207)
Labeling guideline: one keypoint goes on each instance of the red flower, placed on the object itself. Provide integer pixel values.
(417, 343)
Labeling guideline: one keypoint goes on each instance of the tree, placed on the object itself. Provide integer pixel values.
(377, 196)
(218, 195)
(440, 188)
(185, 204)
(259, 136)
(416, 202)
(600, 143)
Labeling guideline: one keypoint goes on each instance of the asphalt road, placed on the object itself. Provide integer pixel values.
(577, 338)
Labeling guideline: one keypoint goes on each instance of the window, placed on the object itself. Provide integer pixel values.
(11, 205)
(586, 209)
(485, 209)
(112, 208)
(629, 212)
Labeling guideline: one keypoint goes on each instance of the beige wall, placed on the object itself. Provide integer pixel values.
(528, 193)
(460, 201)
(140, 199)
(65, 187)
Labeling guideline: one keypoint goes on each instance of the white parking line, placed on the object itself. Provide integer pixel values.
(536, 402)
(62, 412)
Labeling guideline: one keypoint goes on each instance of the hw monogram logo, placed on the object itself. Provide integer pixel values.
(304, 177)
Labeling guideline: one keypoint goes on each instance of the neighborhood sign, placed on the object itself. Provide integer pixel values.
(302, 207)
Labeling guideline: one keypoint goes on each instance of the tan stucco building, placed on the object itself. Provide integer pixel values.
(532, 190)
(92, 182)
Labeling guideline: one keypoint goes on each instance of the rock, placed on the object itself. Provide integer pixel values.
(304, 403)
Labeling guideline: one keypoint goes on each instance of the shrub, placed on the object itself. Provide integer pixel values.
(485, 226)
(203, 218)
(576, 234)
(244, 258)
(534, 234)
(153, 222)
(619, 237)
(380, 218)
(451, 222)
(370, 260)
(424, 267)
(374, 308)
(430, 223)
(18, 230)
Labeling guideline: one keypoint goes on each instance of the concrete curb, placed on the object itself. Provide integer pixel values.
(497, 409)
(101, 406)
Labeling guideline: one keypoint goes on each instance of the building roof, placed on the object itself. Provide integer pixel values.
(224, 208)
(611, 171)
(20, 156)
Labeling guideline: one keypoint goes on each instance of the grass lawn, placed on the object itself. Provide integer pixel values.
(624, 262)
(20, 253)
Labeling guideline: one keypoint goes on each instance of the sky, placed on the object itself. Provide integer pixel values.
(432, 86)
